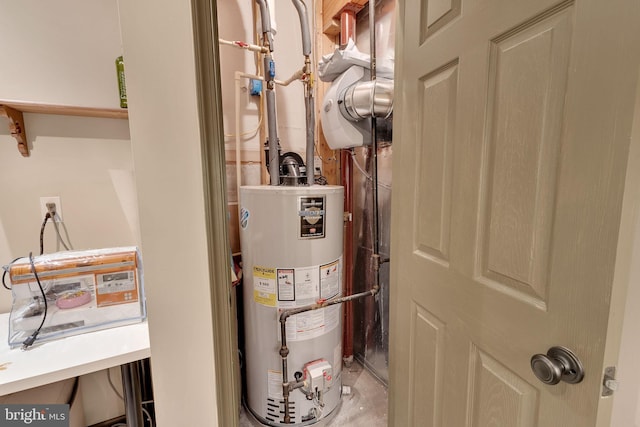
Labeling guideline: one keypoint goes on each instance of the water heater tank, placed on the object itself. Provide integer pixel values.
(292, 256)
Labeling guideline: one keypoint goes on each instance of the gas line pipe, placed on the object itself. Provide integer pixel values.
(288, 387)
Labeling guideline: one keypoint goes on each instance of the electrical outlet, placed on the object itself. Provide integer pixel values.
(58, 206)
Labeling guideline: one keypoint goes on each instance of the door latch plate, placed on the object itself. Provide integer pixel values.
(609, 382)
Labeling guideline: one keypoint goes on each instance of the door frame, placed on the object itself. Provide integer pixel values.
(209, 93)
(622, 338)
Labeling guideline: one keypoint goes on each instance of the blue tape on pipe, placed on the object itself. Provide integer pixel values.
(272, 69)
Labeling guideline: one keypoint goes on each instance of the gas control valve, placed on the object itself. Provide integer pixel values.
(318, 377)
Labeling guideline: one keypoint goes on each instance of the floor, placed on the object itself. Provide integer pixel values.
(365, 406)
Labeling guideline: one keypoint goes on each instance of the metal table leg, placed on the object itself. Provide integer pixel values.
(132, 394)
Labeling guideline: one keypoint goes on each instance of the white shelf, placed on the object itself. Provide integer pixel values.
(68, 357)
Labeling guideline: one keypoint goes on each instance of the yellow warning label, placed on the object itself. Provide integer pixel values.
(264, 298)
(264, 286)
(264, 272)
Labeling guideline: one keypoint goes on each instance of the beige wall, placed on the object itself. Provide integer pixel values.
(161, 87)
(64, 53)
(85, 161)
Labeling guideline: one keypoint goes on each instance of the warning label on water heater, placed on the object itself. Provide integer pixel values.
(330, 279)
(312, 324)
(264, 286)
(312, 215)
(286, 284)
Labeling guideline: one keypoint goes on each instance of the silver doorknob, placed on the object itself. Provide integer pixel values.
(559, 364)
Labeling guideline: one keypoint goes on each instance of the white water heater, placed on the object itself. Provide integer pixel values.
(292, 256)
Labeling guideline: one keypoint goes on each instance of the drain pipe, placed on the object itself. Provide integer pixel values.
(270, 95)
(309, 103)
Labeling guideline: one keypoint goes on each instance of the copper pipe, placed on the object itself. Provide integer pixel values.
(347, 27)
(347, 31)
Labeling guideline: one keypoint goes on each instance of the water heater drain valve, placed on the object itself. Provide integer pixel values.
(318, 378)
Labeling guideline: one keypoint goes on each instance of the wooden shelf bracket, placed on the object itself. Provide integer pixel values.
(16, 127)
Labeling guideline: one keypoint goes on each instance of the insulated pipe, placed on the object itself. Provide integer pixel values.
(311, 123)
(301, 7)
(270, 74)
(274, 151)
(272, 16)
(265, 16)
(309, 105)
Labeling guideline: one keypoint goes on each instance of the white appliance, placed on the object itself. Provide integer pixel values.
(339, 131)
(292, 256)
(350, 103)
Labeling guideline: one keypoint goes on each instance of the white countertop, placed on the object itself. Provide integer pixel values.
(68, 357)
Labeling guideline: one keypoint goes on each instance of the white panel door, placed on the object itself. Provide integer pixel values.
(512, 131)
